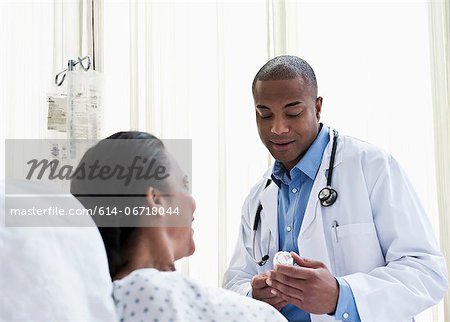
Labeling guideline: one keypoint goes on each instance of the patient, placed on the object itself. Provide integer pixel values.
(141, 250)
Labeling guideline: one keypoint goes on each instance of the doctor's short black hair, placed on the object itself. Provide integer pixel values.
(286, 67)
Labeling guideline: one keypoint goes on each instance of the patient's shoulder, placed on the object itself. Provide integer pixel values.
(146, 293)
(152, 281)
(170, 296)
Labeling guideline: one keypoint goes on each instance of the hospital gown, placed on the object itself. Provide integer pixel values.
(152, 296)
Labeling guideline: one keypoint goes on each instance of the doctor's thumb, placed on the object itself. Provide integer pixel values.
(305, 262)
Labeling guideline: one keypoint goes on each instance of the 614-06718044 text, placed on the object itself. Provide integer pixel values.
(136, 211)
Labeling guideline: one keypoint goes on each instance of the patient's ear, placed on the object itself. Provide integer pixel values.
(153, 197)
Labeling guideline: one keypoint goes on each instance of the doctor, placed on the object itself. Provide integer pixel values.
(366, 248)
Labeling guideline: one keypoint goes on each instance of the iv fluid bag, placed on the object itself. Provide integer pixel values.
(84, 108)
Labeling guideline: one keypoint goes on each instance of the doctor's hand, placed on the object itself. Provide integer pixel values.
(309, 286)
(260, 291)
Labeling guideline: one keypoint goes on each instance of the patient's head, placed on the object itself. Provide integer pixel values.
(134, 182)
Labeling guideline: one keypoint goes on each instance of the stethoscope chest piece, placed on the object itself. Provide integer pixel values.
(327, 196)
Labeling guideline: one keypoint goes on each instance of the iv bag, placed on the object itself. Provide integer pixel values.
(84, 109)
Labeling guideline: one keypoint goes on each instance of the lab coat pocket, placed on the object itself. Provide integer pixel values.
(356, 248)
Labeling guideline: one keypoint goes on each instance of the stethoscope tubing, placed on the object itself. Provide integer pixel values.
(327, 197)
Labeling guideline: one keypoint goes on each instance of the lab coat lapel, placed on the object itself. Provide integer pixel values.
(311, 240)
(269, 214)
(314, 208)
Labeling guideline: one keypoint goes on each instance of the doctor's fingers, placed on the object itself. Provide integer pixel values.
(263, 294)
(292, 300)
(280, 289)
(294, 282)
(259, 281)
(306, 262)
(293, 271)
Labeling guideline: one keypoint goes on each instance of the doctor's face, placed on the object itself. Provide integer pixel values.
(287, 117)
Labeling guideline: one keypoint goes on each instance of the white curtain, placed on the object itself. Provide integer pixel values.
(26, 53)
(26, 70)
(37, 39)
(282, 27)
(439, 19)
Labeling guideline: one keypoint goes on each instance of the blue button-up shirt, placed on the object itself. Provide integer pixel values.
(293, 194)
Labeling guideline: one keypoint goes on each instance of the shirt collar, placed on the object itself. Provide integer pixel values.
(309, 164)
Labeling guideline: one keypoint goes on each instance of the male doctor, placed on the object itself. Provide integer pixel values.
(365, 251)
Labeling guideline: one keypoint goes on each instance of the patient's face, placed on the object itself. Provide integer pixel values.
(181, 200)
(184, 236)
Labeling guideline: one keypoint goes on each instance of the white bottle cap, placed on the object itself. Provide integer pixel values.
(283, 258)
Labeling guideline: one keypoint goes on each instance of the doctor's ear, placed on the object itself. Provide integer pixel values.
(153, 197)
(318, 106)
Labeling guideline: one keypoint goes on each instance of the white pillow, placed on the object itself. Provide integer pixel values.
(52, 273)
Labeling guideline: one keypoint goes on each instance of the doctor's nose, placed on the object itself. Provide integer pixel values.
(279, 127)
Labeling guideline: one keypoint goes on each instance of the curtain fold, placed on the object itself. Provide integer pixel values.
(439, 23)
(92, 31)
(77, 31)
(221, 146)
(282, 27)
(67, 32)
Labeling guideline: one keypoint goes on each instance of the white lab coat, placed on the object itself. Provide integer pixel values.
(384, 246)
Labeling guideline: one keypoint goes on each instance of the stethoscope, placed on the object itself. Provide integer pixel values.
(327, 196)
